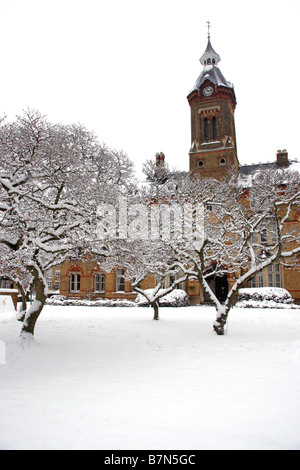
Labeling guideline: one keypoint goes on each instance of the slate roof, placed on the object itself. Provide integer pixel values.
(248, 172)
(214, 74)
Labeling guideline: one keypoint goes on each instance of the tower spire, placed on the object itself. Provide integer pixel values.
(208, 29)
(210, 56)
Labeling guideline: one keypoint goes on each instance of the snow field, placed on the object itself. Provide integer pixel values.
(111, 378)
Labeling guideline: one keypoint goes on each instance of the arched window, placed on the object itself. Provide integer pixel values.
(206, 133)
(214, 127)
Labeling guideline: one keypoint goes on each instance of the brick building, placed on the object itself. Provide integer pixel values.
(81, 277)
(213, 150)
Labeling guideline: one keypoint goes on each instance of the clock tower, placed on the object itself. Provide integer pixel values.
(212, 102)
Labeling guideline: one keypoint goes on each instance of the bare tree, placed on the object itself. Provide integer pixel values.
(52, 178)
(152, 259)
(246, 230)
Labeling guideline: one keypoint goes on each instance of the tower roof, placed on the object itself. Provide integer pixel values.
(211, 71)
(214, 74)
(210, 56)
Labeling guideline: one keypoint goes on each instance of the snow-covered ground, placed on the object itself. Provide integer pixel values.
(111, 378)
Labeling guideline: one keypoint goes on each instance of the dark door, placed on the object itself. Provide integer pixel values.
(219, 286)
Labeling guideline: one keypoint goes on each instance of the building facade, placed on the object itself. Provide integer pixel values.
(213, 151)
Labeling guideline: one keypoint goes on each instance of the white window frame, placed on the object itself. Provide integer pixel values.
(274, 275)
(75, 281)
(99, 282)
(120, 280)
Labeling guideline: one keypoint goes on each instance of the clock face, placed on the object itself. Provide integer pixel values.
(208, 90)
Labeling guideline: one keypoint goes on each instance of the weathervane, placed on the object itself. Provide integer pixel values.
(208, 29)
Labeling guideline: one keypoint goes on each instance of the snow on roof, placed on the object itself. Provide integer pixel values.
(8, 291)
(248, 172)
(214, 74)
(294, 166)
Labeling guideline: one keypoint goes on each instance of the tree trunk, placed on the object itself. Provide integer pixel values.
(219, 324)
(34, 311)
(223, 311)
(23, 308)
(155, 307)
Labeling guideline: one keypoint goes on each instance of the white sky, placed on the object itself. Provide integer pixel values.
(123, 68)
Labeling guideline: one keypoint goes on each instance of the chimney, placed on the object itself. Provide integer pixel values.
(282, 158)
(160, 160)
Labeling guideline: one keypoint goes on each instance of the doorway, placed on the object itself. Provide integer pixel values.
(219, 286)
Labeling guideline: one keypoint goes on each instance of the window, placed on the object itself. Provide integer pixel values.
(200, 164)
(263, 235)
(206, 133)
(258, 280)
(102, 282)
(274, 275)
(75, 282)
(57, 274)
(6, 283)
(99, 282)
(277, 275)
(222, 162)
(214, 126)
(77, 253)
(120, 280)
(270, 276)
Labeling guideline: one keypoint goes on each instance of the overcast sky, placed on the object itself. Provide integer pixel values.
(123, 68)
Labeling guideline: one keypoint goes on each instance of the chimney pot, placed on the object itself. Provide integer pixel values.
(282, 158)
(160, 159)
